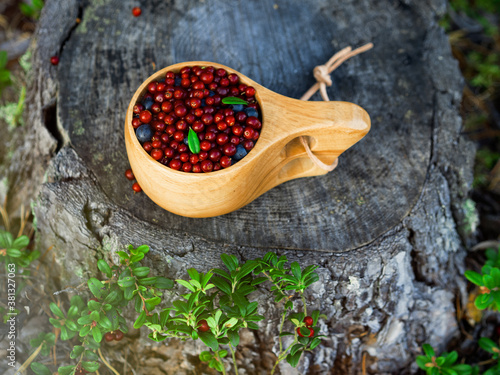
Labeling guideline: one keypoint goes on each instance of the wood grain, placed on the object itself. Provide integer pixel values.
(377, 182)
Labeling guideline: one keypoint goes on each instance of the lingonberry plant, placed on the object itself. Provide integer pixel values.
(215, 309)
(444, 364)
(488, 282)
(101, 317)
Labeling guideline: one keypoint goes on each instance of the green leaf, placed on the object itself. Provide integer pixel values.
(86, 319)
(106, 323)
(96, 287)
(3, 59)
(65, 370)
(71, 325)
(84, 331)
(93, 305)
(186, 284)
(315, 342)
(111, 297)
(143, 249)
(164, 283)
(193, 274)
(483, 301)
(221, 284)
(258, 280)
(141, 271)
(205, 356)
(448, 371)
(21, 242)
(246, 269)
(140, 320)
(209, 340)
(474, 277)
(421, 361)
(193, 141)
(487, 344)
(296, 270)
(104, 267)
(97, 334)
(40, 369)
(126, 281)
(90, 366)
(234, 337)
(77, 351)
(293, 360)
(14, 253)
(233, 100)
(55, 322)
(428, 350)
(136, 258)
(295, 348)
(90, 355)
(148, 281)
(230, 261)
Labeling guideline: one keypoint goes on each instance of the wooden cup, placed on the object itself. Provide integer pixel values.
(278, 156)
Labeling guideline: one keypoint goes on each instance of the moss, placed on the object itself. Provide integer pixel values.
(471, 218)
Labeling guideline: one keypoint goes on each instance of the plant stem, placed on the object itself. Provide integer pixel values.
(303, 302)
(281, 329)
(234, 359)
(222, 363)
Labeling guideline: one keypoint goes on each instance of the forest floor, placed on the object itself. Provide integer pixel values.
(474, 37)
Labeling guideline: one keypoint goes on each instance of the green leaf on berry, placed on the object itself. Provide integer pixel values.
(233, 100)
(193, 141)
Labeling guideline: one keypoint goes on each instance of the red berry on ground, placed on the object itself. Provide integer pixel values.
(129, 174)
(203, 326)
(54, 60)
(136, 187)
(136, 11)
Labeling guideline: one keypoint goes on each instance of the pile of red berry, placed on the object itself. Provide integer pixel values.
(308, 321)
(200, 119)
(114, 335)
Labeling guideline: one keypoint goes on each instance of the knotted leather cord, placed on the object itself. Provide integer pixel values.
(323, 78)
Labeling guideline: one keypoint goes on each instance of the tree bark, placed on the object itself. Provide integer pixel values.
(387, 227)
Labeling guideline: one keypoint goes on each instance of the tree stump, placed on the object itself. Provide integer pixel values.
(387, 227)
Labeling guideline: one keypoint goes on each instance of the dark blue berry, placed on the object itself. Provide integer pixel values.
(211, 93)
(178, 81)
(144, 133)
(240, 153)
(147, 103)
(185, 141)
(237, 107)
(251, 112)
(203, 104)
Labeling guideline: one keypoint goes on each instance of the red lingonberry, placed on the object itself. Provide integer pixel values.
(119, 335)
(136, 11)
(308, 320)
(130, 176)
(136, 187)
(54, 60)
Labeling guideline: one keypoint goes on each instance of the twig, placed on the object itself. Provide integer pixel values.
(363, 364)
(107, 363)
(29, 360)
